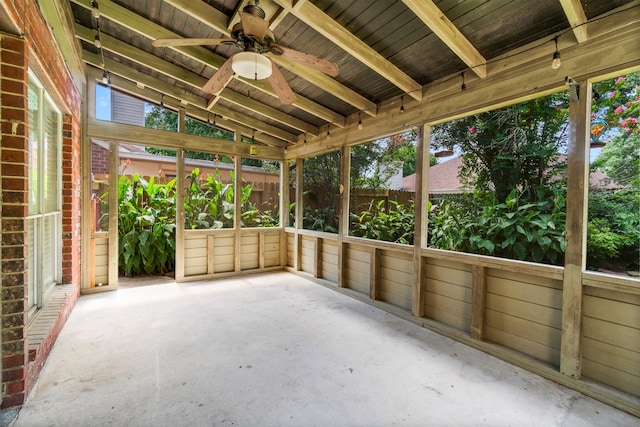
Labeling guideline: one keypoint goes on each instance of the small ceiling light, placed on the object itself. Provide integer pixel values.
(253, 150)
(328, 133)
(556, 63)
(305, 139)
(95, 12)
(209, 118)
(285, 148)
(214, 120)
(162, 101)
(359, 121)
(252, 65)
(97, 42)
(402, 104)
(105, 77)
(464, 86)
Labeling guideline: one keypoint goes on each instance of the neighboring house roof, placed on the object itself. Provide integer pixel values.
(443, 178)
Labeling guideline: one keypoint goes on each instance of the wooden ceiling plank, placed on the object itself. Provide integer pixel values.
(215, 19)
(332, 30)
(176, 72)
(576, 17)
(442, 27)
(180, 94)
(146, 28)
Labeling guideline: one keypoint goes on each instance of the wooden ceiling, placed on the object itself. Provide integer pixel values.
(386, 51)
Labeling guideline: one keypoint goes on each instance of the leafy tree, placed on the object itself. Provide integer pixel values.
(160, 118)
(620, 159)
(512, 147)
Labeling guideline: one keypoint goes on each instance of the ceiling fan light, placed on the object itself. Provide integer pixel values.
(251, 65)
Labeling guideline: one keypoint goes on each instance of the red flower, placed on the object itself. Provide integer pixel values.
(472, 129)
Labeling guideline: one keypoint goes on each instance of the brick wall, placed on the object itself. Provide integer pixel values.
(36, 50)
(14, 149)
(99, 159)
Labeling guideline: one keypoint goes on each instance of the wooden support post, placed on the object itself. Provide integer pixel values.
(478, 301)
(343, 214)
(297, 264)
(261, 249)
(87, 274)
(574, 258)
(180, 193)
(237, 216)
(374, 273)
(284, 210)
(114, 161)
(421, 211)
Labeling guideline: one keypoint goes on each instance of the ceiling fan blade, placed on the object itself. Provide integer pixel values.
(220, 78)
(281, 87)
(191, 42)
(253, 26)
(324, 65)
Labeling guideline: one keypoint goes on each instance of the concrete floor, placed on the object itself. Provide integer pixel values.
(278, 350)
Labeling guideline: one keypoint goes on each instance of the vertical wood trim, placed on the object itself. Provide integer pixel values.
(420, 226)
(297, 246)
(478, 301)
(237, 218)
(87, 273)
(574, 259)
(343, 224)
(317, 260)
(113, 214)
(210, 254)
(374, 273)
(261, 249)
(284, 209)
(180, 193)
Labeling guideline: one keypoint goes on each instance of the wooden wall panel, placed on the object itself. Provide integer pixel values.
(358, 271)
(101, 261)
(249, 251)
(291, 239)
(447, 293)
(223, 257)
(195, 255)
(271, 249)
(308, 254)
(611, 339)
(524, 313)
(396, 278)
(330, 261)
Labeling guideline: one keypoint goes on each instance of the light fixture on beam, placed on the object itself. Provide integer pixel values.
(95, 12)
(252, 65)
(359, 121)
(555, 62)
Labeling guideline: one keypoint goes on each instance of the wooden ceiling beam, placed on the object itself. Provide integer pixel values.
(442, 27)
(176, 72)
(312, 16)
(151, 30)
(577, 18)
(189, 97)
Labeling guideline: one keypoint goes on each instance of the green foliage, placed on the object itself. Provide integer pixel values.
(516, 228)
(390, 225)
(613, 230)
(209, 204)
(146, 226)
(147, 218)
(620, 159)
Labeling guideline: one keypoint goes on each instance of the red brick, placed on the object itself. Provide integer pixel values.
(13, 86)
(14, 211)
(14, 183)
(14, 361)
(16, 72)
(14, 374)
(13, 44)
(13, 400)
(13, 156)
(13, 100)
(14, 169)
(14, 142)
(15, 387)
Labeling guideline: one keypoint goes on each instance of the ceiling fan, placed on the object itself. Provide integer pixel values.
(253, 36)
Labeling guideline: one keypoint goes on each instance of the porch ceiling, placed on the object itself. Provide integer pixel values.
(386, 51)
